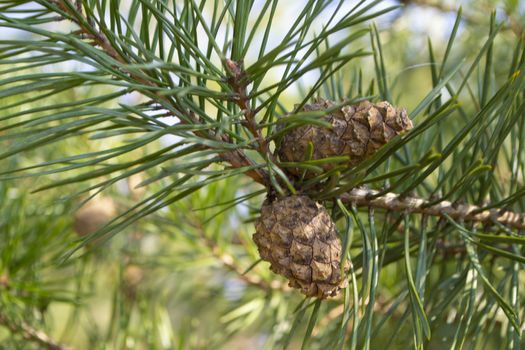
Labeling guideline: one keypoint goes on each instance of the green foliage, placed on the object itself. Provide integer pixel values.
(185, 96)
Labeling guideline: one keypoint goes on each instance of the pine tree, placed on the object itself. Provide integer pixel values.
(146, 141)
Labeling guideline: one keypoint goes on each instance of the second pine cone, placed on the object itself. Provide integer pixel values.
(358, 131)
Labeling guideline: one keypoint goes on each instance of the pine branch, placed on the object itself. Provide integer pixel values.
(159, 50)
(31, 334)
(393, 202)
(237, 158)
(238, 82)
(25, 330)
(98, 36)
(229, 262)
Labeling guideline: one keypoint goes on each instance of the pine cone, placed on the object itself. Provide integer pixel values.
(357, 131)
(298, 237)
(93, 215)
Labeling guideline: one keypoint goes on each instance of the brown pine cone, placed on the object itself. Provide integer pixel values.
(357, 131)
(93, 215)
(298, 237)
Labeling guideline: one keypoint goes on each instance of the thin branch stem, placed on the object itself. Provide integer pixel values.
(470, 213)
(100, 38)
(238, 159)
(239, 82)
(31, 334)
(229, 262)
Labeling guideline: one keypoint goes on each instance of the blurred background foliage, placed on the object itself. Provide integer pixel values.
(185, 277)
